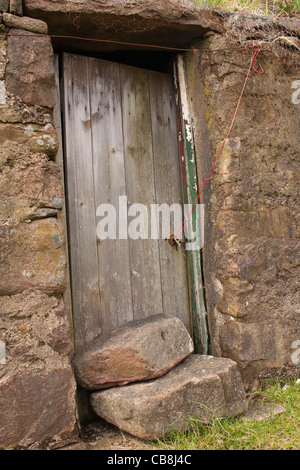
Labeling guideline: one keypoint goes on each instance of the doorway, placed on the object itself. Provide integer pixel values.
(121, 155)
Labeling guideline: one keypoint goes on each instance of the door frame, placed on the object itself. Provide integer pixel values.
(190, 192)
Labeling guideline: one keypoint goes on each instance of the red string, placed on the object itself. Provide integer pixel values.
(212, 171)
(255, 55)
(109, 41)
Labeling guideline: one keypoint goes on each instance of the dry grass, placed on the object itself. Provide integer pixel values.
(259, 7)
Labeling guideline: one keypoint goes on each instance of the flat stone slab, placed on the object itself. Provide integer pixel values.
(139, 350)
(173, 22)
(200, 387)
(25, 23)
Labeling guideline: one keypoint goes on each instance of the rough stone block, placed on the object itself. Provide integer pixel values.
(30, 72)
(35, 329)
(28, 182)
(140, 350)
(36, 405)
(200, 388)
(33, 257)
(38, 139)
(37, 386)
(260, 349)
(25, 23)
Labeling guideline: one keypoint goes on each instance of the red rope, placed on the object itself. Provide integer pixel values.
(109, 41)
(212, 171)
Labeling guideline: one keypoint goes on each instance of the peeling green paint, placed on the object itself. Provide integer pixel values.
(190, 190)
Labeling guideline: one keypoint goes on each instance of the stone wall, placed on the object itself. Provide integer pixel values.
(251, 253)
(37, 388)
(252, 208)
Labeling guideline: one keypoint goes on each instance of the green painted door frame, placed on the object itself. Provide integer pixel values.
(191, 222)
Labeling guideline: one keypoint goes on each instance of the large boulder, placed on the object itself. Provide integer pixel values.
(139, 350)
(200, 388)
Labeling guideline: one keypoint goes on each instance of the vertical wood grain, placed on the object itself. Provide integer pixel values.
(121, 140)
(80, 190)
(137, 132)
(109, 183)
(168, 191)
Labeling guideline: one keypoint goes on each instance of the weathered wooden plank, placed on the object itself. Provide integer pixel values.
(57, 118)
(168, 191)
(137, 134)
(190, 195)
(69, 164)
(80, 190)
(109, 182)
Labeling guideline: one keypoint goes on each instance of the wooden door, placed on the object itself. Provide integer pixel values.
(120, 140)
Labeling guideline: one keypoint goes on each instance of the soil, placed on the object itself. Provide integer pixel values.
(101, 435)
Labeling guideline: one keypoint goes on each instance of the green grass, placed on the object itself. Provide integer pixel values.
(281, 432)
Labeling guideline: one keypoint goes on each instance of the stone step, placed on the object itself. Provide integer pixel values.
(139, 350)
(200, 387)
